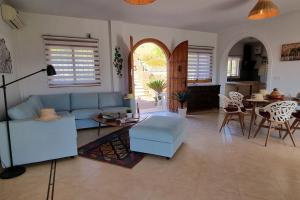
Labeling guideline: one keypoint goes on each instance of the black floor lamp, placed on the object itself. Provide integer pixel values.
(14, 171)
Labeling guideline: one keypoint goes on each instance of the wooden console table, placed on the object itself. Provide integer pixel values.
(203, 97)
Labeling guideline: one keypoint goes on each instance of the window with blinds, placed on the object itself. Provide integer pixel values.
(200, 64)
(76, 61)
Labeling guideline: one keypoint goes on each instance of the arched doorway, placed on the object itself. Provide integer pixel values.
(247, 67)
(150, 77)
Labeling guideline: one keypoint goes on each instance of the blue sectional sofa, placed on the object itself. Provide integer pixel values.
(36, 141)
(82, 105)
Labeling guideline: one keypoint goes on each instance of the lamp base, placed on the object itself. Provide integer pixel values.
(12, 172)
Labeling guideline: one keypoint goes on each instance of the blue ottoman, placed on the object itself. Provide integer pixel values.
(158, 135)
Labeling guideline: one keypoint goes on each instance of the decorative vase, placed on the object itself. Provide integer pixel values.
(159, 103)
(182, 112)
(129, 115)
(275, 94)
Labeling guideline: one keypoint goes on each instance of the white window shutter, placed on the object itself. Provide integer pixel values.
(200, 63)
(76, 61)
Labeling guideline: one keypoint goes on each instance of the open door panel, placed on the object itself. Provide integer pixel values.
(130, 68)
(177, 73)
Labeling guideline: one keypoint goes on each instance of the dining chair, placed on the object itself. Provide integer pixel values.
(236, 96)
(296, 123)
(231, 109)
(276, 115)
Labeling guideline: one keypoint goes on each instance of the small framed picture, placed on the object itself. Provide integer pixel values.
(290, 52)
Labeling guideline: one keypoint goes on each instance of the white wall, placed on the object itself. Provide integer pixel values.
(272, 33)
(12, 90)
(26, 46)
(171, 37)
(30, 50)
(30, 57)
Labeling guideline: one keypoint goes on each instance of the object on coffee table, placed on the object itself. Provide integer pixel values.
(109, 118)
(129, 113)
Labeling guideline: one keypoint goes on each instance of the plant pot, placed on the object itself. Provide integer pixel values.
(129, 115)
(182, 112)
(159, 103)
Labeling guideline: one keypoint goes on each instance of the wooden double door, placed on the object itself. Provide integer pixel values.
(176, 73)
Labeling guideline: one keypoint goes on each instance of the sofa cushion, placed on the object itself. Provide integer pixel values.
(60, 102)
(296, 114)
(159, 128)
(84, 100)
(264, 114)
(63, 113)
(85, 113)
(115, 109)
(232, 109)
(22, 111)
(86, 123)
(110, 99)
(35, 103)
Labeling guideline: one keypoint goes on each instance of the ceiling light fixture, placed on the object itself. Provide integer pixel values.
(139, 2)
(263, 9)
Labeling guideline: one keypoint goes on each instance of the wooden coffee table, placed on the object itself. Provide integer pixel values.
(116, 123)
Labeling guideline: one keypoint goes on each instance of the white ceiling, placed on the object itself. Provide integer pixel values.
(203, 15)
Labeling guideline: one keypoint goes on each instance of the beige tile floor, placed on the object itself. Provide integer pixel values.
(208, 166)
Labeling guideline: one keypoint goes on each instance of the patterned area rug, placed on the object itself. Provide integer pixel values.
(113, 148)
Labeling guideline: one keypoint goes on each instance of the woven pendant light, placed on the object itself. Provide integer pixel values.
(263, 9)
(139, 2)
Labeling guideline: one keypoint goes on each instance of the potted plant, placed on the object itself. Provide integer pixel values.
(129, 113)
(158, 86)
(181, 97)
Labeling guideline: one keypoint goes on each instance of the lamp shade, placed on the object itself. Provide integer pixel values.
(50, 70)
(139, 2)
(263, 9)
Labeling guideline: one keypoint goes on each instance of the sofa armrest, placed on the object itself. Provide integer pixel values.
(35, 141)
(130, 103)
